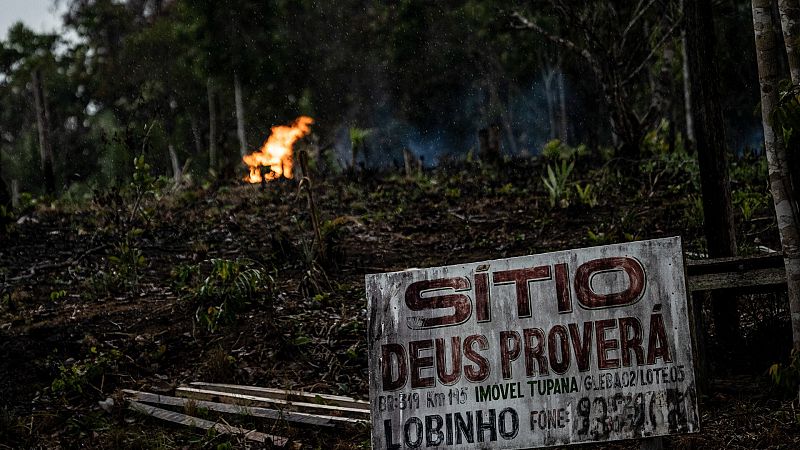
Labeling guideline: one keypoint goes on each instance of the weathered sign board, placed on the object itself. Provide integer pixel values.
(552, 349)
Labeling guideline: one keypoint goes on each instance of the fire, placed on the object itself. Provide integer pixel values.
(276, 153)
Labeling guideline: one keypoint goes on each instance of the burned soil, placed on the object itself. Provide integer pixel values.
(150, 287)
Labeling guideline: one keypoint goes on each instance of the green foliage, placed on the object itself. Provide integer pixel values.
(586, 195)
(693, 211)
(556, 183)
(556, 150)
(7, 220)
(358, 136)
(183, 274)
(786, 378)
(597, 238)
(127, 260)
(678, 170)
(749, 203)
(57, 295)
(75, 378)
(786, 115)
(229, 287)
(656, 141)
(507, 189)
(751, 170)
(358, 143)
(452, 193)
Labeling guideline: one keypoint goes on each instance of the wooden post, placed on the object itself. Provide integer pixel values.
(697, 325)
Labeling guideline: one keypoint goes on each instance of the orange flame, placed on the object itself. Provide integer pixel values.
(276, 153)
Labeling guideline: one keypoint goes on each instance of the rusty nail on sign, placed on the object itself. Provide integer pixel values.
(559, 348)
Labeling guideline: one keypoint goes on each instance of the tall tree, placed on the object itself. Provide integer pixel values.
(687, 93)
(5, 196)
(43, 126)
(790, 24)
(712, 154)
(779, 176)
(212, 127)
(617, 55)
(240, 121)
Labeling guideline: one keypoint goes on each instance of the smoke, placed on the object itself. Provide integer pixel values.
(746, 140)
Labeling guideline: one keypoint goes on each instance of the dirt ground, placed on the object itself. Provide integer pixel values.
(106, 295)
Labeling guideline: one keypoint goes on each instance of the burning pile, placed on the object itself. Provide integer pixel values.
(276, 153)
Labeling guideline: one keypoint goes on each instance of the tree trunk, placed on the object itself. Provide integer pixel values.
(624, 124)
(43, 126)
(198, 139)
(547, 78)
(712, 157)
(15, 193)
(562, 105)
(5, 196)
(790, 23)
(177, 173)
(687, 98)
(212, 127)
(240, 122)
(412, 164)
(787, 216)
(489, 144)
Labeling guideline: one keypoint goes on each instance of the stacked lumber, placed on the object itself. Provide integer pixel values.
(300, 408)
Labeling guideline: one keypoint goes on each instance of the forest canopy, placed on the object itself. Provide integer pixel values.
(202, 81)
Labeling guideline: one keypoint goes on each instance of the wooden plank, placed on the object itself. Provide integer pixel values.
(183, 419)
(273, 414)
(283, 394)
(753, 273)
(735, 263)
(252, 400)
(764, 278)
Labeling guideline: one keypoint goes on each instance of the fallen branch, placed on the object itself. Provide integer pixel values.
(50, 266)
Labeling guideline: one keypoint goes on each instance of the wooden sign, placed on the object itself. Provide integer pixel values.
(567, 347)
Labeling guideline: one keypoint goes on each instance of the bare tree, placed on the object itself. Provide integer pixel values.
(687, 96)
(43, 127)
(779, 175)
(212, 126)
(240, 121)
(617, 56)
